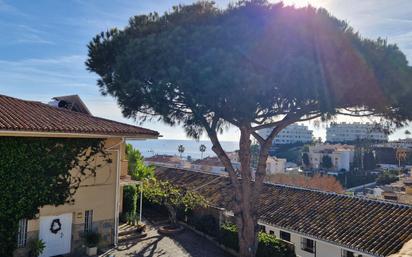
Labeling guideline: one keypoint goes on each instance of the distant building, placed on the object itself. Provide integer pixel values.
(340, 155)
(213, 165)
(275, 165)
(400, 191)
(346, 132)
(294, 133)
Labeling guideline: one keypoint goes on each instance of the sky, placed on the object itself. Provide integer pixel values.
(43, 45)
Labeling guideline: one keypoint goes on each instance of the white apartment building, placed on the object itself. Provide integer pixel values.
(346, 132)
(294, 133)
(340, 155)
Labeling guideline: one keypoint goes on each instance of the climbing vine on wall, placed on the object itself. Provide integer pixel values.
(35, 172)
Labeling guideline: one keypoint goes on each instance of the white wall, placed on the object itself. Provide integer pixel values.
(323, 249)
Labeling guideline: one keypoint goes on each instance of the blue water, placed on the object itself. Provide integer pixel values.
(169, 146)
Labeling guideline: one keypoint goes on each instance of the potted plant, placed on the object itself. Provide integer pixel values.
(36, 247)
(91, 241)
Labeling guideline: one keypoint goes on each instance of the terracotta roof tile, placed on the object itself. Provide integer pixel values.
(376, 227)
(31, 116)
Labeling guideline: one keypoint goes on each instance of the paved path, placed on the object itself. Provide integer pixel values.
(185, 244)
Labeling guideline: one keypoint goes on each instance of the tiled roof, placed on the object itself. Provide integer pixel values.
(164, 159)
(30, 116)
(376, 227)
(210, 161)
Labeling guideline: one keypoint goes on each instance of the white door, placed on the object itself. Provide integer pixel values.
(56, 233)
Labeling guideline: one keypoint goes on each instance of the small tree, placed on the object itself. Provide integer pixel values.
(386, 178)
(172, 197)
(181, 150)
(326, 162)
(137, 169)
(305, 159)
(369, 160)
(202, 149)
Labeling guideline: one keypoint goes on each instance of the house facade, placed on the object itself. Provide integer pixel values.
(213, 165)
(341, 156)
(98, 199)
(275, 165)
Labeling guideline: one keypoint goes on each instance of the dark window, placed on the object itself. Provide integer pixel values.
(285, 236)
(262, 228)
(88, 221)
(308, 245)
(346, 253)
(271, 232)
(22, 233)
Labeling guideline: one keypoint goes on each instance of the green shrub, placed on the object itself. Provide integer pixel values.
(268, 246)
(386, 177)
(36, 247)
(208, 225)
(91, 239)
(228, 236)
(130, 200)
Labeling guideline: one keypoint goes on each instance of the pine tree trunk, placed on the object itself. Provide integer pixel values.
(246, 187)
(247, 225)
(246, 219)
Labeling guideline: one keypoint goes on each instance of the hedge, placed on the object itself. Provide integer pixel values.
(268, 246)
(207, 224)
(129, 200)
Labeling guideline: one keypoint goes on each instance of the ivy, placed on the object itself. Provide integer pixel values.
(35, 172)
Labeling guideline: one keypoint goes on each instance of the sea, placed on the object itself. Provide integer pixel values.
(149, 148)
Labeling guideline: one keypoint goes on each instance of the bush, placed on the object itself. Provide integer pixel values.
(268, 246)
(129, 200)
(36, 247)
(91, 239)
(208, 225)
(386, 178)
(228, 236)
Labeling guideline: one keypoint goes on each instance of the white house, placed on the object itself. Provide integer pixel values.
(213, 165)
(275, 165)
(340, 155)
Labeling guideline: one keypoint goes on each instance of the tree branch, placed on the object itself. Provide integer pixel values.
(260, 139)
(264, 151)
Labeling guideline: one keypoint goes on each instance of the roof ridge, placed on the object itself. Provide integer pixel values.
(308, 189)
(71, 112)
(339, 194)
